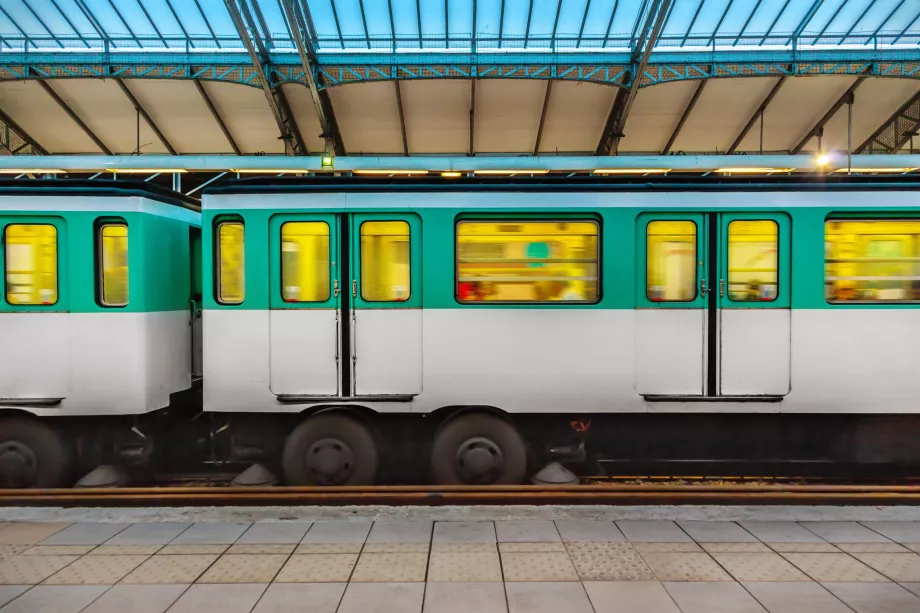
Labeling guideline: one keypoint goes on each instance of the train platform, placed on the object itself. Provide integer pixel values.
(446, 561)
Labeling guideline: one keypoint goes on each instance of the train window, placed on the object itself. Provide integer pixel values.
(872, 260)
(752, 260)
(527, 261)
(671, 261)
(231, 262)
(305, 261)
(31, 264)
(385, 261)
(112, 264)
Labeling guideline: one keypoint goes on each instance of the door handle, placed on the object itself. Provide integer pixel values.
(335, 288)
(354, 288)
(703, 289)
(721, 287)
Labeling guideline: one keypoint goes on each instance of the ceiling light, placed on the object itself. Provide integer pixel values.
(391, 172)
(823, 159)
(145, 171)
(868, 170)
(631, 171)
(451, 174)
(269, 171)
(31, 171)
(753, 171)
(510, 172)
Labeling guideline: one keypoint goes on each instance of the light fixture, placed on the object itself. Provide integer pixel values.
(145, 171)
(31, 171)
(631, 171)
(883, 170)
(327, 161)
(510, 172)
(451, 174)
(269, 171)
(376, 171)
(753, 171)
(823, 159)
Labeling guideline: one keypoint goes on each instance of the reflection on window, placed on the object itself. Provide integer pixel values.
(305, 261)
(231, 263)
(752, 260)
(527, 261)
(385, 268)
(31, 264)
(872, 261)
(113, 264)
(672, 261)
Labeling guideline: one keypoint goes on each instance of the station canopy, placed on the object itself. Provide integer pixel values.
(458, 77)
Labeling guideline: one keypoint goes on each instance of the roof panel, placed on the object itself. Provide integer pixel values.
(507, 115)
(247, 116)
(575, 117)
(301, 103)
(42, 119)
(655, 115)
(368, 118)
(437, 115)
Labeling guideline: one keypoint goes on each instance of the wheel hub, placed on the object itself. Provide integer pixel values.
(330, 461)
(18, 465)
(479, 461)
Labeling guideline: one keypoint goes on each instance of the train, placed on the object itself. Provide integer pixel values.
(352, 330)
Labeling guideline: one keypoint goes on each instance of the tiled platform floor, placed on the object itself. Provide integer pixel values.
(568, 566)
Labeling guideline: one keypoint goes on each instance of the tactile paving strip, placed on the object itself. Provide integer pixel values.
(307, 548)
(833, 567)
(170, 569)
(538, 567)
(29, 533)
(464, 547)
(58, 550)
(872, 548)
(608, 562)
(667, 547)
(130, 550)
(735, 547)
(96, 570)
(672, 566)
(902, 567)
(244, 568)
(759, 567)
(8, 551)
(395, 548)
(547, 547)
(390, 567)
(246, 548)
(318, 568)
(25, 570)
(464, 567)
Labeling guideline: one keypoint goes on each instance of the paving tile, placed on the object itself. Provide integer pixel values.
(713, 598)
(589, 530)
(95, 570)
(401, 532)
(685, 567)
(137, 599)
(134, 550)
(464, 567)
(912, 587)
(305, 548)
(255, 549)
(301, 597)
(337, 532)
(527, 531)
(23, 570)
(251, 568)
(798, 597)
(390, 567)
(630, 597)
(170, 569)
(780, 532)
(895, 566)
(488, 547)
(608, 562)
(382, 598)
(218, 533)
(759, 567)
(900, 531)
(666, 547)
(58, 550)
(396, 548)
(547, 598)
(803, 547)
(152, 533)
(226, 598)
(84, 534)
(9, 592)
(843, 532)
(281, 532)
(538, 567)
(185, 550)
(322, 568)
(478, 597)
(29, 533)
(875, 598)
(464, 532)
(872, 548)
(716, 532)
(8, 551)
(735, 547)
(833, 567)
(55, 599)
(656, 531)
(546, 547)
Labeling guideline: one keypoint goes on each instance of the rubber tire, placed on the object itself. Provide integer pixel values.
(452, 434)
(326, 425)
(48, 446)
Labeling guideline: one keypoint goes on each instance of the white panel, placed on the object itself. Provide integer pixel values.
(507, 115)
(298, 96)
(669, 351)
(43, 119)
(755, 351)
(575, 116)
(388, 347)
(876, 100)
(167, 356)
(368, 117)
(236, 361)
(437, 115)
(654, 116)
(34, 362)
(248, 116)
(303, 350)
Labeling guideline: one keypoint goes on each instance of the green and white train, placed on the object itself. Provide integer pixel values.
(465, 331)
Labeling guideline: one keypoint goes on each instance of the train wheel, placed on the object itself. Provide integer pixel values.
(478, 449)
(330, 449)
(31, 454)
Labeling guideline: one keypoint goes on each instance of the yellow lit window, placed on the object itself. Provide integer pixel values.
(31, 264)
(231, 263)
(752, 260)
(875, 260)
(672, 261)
(385, 261)
(527, 261)
(113, 264)
(305, 261)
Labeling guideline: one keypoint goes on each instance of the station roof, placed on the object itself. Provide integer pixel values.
(480, 77)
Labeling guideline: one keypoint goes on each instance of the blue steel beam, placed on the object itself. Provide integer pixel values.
(140, 3)
(418, 20)
(906, 29)
(69, 23)
(41, 22)
(584, 20)
(526, 30)
(501, 22)
(16, 25)
(207, 24)
(805, 21)
(773, 23)
(828, 23)
(858, 21)
(338, 26)
(125, 23)
(447, 23)
(613, 14)
(885, 21)
(179, 23)
(715, 30)
(699, 7)
(747, 22)
(367, 38)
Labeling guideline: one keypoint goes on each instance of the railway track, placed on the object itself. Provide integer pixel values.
(723, 493)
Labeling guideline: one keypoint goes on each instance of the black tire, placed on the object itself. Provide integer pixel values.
(345, 442)
(493, 438)
(32, 454)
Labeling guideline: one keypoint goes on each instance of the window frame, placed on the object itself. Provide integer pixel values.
(216, 253)
(98, 228)
(361, 260)
(329, 287)
(728, 261)
(30, 221)
(696, 258)
(594, 219)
